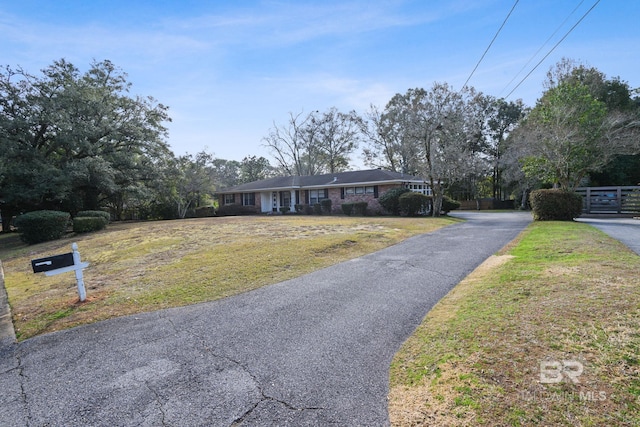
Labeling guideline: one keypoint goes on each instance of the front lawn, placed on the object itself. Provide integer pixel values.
(144, 266)
(503, 348)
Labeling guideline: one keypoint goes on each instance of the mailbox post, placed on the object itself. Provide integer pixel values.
(57, 264)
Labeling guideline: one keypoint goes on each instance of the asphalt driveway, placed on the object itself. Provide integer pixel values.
(626, 230)
(309, 351)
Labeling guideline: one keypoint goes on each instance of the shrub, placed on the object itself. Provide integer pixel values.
(308, 209)
(360, 208)
(347, 208)
(42, 226)
(326, 206)
(94, 214)
(299, 208)
(86, 224)
(390, 200)
(449, 204)
(317, 209)
(413, 204)
(234, 209)
(284, 209)
(555, 205)
(205, 211)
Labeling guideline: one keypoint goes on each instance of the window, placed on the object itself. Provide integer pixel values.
(316, 195)
(419, 188)
(350, 191)
(249, 199)
(229, 199)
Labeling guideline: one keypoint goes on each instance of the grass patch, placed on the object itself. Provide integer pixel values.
(562, 291)
(137, 267)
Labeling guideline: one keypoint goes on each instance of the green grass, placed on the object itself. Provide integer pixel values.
(562, 291)
(144, 266)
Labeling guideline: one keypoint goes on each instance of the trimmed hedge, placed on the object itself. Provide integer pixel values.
(284, 209)
(347, 208)
(326, 206)
(413, 204)
(317, 209)
(232, 210)
(555, 205)
(360, 208)
(94, 214)
(448, 204)
(205, 211)
(86, 224)
(390, 200)
(42, 226)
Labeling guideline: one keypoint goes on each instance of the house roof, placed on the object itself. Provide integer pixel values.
(340, 179)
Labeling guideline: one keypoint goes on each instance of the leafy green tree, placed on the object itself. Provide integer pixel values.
(581, 123)
(68, 137)
(564, 132)
(190, 181)
(619, 145)
(225, 173)
(253, 168)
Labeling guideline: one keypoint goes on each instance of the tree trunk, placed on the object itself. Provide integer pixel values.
(437, 199)
(523, 202)
(7, 215)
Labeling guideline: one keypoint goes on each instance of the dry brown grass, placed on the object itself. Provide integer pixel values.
(144, 266)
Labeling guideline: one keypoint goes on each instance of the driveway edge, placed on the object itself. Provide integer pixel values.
(7, 333)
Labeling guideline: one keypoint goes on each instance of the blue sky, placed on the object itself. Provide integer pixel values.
(229, 69)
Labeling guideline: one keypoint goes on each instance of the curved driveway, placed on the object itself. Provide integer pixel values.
(309, 351)
(626, 230)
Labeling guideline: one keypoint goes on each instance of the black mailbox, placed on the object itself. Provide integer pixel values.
(52, 263)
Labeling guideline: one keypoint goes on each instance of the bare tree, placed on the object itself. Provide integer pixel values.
(389, 144)
(338, 135)
(314, 143)
(442, 125)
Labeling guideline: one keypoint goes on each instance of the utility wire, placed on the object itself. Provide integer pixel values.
(489, 47)
(541, 47)
(552, 49)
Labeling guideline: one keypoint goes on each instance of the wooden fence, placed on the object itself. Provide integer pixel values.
(610, 200)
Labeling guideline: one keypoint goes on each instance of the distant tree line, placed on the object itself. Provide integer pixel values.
(75, 141)
(583, 130)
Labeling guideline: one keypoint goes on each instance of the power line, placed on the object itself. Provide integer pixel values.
(543, 45)
(552, 49)
(489, 47)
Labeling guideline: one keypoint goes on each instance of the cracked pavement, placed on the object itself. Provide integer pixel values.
(314, 350)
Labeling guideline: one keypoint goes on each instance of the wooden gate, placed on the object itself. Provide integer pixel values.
(610, 200)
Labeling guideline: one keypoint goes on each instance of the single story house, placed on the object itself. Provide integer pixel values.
(269, 195)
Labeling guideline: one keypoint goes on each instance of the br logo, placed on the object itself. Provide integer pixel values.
(553, 371)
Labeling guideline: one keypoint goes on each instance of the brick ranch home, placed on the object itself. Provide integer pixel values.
(269, 195)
